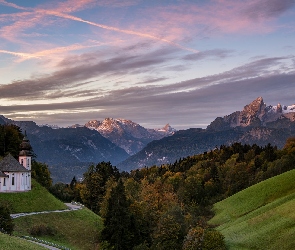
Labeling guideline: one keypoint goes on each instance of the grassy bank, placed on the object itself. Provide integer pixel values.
(260, 217)
(76, 229)
(12, 243)
(38, 199)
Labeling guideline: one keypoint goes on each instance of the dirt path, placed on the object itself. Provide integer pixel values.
(71, 207)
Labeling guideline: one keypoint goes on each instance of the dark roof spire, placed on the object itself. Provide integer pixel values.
(25, 146)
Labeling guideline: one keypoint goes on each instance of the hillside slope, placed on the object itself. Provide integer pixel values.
(38, 199)
(261, 216)
(74, 229)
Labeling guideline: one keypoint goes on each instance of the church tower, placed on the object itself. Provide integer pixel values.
(25, 154)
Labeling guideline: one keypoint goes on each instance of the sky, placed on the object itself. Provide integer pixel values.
(182, 62)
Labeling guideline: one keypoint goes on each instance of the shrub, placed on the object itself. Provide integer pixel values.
(6, 224)
(42, 230)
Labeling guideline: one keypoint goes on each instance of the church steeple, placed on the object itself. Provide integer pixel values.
(25, 154)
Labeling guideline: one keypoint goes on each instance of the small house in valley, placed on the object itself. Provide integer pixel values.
(15, 176)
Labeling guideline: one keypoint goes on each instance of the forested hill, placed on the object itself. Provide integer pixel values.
(197, 141)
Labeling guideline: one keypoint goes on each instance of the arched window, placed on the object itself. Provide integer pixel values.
(12, 180)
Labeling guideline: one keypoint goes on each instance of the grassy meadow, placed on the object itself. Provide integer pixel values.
(261, 216)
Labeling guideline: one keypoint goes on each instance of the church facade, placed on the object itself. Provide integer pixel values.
(15, 176)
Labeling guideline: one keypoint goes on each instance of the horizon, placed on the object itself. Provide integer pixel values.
(178, 62)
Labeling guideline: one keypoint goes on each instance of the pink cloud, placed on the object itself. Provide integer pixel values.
(217, 17)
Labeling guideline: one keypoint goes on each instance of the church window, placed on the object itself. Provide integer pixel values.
(22, 161)
(28, 163)
(4, 182)
(12, 181)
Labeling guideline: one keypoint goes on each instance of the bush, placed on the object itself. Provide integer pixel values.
(42, 230)
(6, 224)
(204, 239)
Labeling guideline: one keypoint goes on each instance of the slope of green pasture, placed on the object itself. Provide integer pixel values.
(38, 199)
(12, 243)
(75, 229)
(261, 216)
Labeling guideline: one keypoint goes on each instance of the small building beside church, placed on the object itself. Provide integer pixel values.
(15, 176)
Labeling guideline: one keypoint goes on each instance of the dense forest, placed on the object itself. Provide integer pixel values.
(168, 206)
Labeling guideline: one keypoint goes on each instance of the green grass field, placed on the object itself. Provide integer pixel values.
(261, 216)
(12, 243)
(75, 229)
(38, 199)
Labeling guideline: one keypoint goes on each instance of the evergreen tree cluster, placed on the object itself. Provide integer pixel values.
(10, 139)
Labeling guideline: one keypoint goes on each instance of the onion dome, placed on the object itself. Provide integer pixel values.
(25, 147)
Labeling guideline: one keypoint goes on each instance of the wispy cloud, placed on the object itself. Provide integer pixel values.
(19, 54)
(3, 2)
(213, 54)
(78, 69)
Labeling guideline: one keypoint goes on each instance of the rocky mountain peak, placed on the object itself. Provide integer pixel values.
(93, 124)
(279, 108)
(127, 134)
(167, 129)
(255, 114)
(255, 108)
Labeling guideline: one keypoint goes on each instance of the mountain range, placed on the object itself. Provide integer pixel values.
(69, 151)
(127, 134)
(128, 145)
(257, 124)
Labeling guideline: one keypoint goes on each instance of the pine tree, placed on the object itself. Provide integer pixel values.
(119, 227)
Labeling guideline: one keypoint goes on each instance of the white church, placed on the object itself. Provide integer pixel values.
(15, 176)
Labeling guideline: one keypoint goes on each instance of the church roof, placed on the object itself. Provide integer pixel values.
(3, 175)
(10, 164)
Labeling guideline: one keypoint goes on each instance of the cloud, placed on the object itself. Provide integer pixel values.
(187, 103)
(212, 54)
(212, 18)
(19, 54)
(264, 9)
(115, 29)
(3, 2)
(153, 80)
(77, 69)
